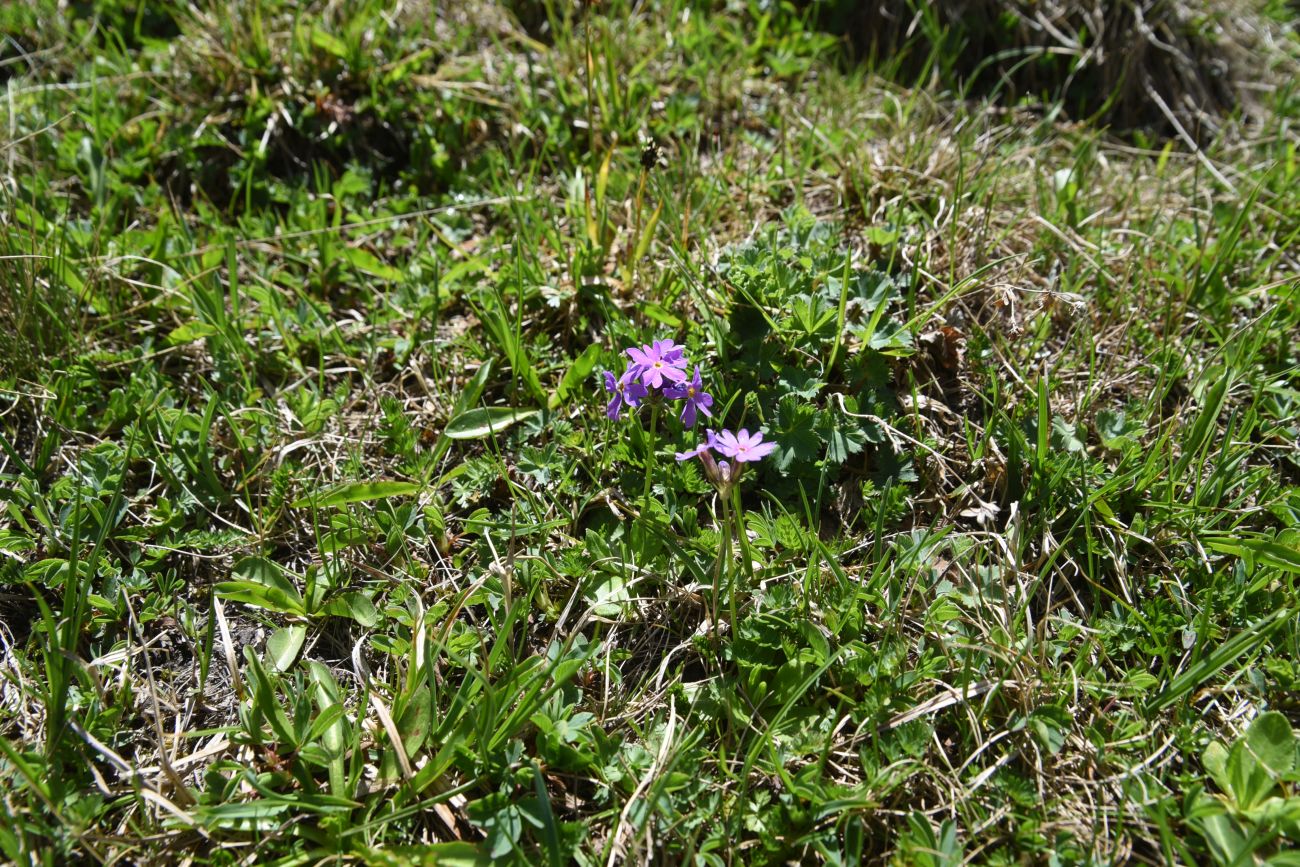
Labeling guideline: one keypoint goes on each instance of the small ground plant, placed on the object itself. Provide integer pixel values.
(643, 432)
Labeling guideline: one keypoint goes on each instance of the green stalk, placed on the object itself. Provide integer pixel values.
(635, 240)
(650, 461)
(739, 523)
(724, 554)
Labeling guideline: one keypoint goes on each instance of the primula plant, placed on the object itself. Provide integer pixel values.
(656, 373)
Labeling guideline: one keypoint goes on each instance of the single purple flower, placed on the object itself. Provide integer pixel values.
(697, 399)
(744, 446)
(653, 368)
(672, 353)
(626, 392)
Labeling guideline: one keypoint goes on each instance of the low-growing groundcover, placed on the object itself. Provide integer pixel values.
(947, 510)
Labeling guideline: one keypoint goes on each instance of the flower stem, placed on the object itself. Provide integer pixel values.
(650, 458)
(738, 521)
(724, 555)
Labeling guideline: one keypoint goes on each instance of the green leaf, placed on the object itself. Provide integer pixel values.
(610, 596)
(416, 719)
(1066, 437)
(355, 605)
(329, 42)
(1273, 742)
(577, 372)
(1116, 431)
(477, 423)
(660, 314)
(1050, 725)
(191, 331)
(1245, 641)
(1215, 762)
(283, 645)
(795, 433)
(262, 583)
(843, 436)
(647, 234)
(15, 543)
(366, 261)
(357, 492)
(458, 854)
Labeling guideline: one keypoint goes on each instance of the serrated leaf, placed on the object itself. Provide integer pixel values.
(1116, 430)
(795, 433)
(477, 423)
(1066, 437)
(357, 492)
(843, 436)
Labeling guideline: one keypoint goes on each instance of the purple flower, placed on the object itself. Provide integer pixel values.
(717, 472)
(672, 353)
(697, 399)
(626, 391)
(657, 364)
(742, 447)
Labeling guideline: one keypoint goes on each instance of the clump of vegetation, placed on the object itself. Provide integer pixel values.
(1169, 68)
(637, 432)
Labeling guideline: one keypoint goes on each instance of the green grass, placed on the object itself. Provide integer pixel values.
(316, 544)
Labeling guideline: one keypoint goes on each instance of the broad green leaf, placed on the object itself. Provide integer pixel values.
(1215, 762)
(414, 723)
(477, 423)
(283, 645)
(610, 596)
(458, 854)
(191, 331)
(366, 261)
(660, 314)
(357, 492)
(329, 42)
(262, 583)
(647, 234)
(1277, 554)
(355, 605)
(1273, 742)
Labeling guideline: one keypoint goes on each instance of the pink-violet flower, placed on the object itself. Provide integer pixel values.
(742, 447)
(695, 397)
(717, 472)
(626, 391)
(658, 364)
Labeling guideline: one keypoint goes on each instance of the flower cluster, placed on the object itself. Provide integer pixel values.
(658, 369)
(742, 448)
